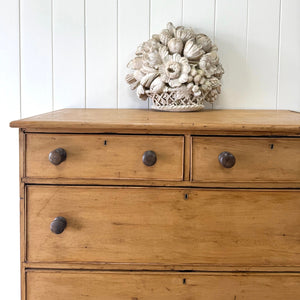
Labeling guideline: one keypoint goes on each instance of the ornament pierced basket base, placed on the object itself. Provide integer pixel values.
(169, 101)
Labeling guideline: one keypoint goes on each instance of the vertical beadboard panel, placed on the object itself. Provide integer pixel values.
(10, 100)
(9, 62)
(200, 15)
(36, 61)
(68, 53)
(230, 37)
(262, 55)
(289, 60)
(248, 83)
(133, 29)
(163, 12)
(101, 53)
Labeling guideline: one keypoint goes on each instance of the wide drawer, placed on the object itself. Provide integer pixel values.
(242, 159)
(47, 285)
(164, 226)
(105, 156)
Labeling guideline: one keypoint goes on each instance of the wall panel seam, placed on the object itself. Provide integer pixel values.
(52, 57)
(215, 31)
(117, 62)
(20, 61)
(215, 20)
(247, 31)
(279, 53)
(150, 16)
(84, 50)
(182, 9)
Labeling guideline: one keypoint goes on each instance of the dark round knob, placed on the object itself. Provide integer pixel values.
(58, 225)
(226, 159)
(57, 156)
(149, 158)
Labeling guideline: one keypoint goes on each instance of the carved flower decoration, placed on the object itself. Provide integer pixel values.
(209, 63)
(177, 61)
(175, 70)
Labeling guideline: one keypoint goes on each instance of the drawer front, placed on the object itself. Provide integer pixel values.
(164, 226)
(251, 159)
(160, 286)
(105, 156)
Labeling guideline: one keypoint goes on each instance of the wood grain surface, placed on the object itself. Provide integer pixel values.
(161, 286)
(164, 226)
(120, 119)
(105, 156)
(167, 183)
(257, 159)
(185, 212)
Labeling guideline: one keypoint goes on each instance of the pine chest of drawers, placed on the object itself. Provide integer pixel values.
(137, 204)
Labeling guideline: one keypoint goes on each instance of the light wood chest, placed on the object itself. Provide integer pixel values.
(137, 204)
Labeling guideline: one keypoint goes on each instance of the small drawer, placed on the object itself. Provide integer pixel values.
(239, 159)
(93, 156)
(81, 285)
(163, 226)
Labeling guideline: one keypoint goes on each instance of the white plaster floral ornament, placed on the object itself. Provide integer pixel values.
(178, 69)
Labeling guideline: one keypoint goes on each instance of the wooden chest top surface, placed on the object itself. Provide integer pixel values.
(134, 119)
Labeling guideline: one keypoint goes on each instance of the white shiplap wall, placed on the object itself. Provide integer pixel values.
(73, 53)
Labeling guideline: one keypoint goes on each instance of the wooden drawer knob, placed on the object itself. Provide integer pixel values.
(226, 159)
(57, 156)
(58, 225)
(149, 158)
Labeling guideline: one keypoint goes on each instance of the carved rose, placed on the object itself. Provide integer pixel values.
(175, 70)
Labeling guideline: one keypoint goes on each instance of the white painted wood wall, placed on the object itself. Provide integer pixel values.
(73, 53)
